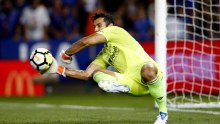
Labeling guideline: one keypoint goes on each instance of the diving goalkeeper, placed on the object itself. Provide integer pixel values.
(138, 74)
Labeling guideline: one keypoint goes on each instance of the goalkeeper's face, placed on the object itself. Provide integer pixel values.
(99, 24)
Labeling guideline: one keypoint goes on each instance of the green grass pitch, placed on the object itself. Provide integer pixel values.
(92, 109)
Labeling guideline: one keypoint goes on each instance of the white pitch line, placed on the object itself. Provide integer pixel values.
(195, 111)
(39, 105)
(93, 107)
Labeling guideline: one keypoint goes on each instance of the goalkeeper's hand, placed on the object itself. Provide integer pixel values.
(55, 68)
(65, 58)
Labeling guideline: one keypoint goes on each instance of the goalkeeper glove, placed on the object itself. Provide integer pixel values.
(55, 68)
(65, 58)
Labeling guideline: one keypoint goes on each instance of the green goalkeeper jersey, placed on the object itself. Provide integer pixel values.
(121, 50)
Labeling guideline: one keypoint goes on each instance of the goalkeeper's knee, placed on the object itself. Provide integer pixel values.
(149, 73)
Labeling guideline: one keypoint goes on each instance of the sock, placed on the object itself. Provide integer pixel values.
(98, 76)
(157, 92)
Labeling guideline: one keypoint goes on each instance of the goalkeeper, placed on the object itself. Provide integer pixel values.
(138, 73)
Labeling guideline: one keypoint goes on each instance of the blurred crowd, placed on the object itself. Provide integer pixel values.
(43, 20)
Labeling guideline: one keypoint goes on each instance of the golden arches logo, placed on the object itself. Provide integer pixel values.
(20, 79)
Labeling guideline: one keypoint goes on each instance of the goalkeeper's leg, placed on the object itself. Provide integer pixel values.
(153, 79)
(109, 83)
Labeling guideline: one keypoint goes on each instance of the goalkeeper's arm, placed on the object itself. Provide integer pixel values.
(78, 74)
(92, 39)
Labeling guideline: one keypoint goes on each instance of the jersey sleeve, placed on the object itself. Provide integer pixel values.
(107, 33)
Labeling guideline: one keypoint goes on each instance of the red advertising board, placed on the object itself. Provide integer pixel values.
(191, 65)
(16, 79)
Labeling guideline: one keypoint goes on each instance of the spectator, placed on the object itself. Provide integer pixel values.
(70, 2)
(142, 25)
(118, 16)
(71, 24)
(35, 20)
(8, 20)
(56, 26)
(129, 16)
(64, 24)
(19, 5)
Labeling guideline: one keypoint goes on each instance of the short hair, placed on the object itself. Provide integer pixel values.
(107, 18)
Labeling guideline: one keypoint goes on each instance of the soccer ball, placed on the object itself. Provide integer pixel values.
(41, 59)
